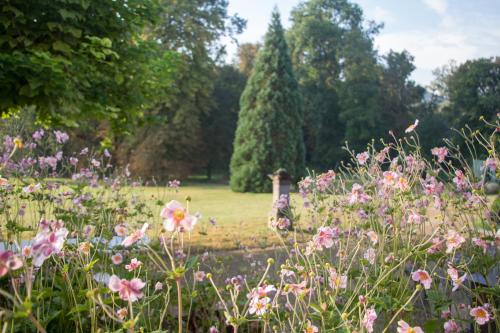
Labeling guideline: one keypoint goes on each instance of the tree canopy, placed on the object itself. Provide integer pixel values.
(269, 134)
(80, 60)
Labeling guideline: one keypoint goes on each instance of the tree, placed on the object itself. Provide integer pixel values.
(327, 39)
(219, 124)
(473, 90)
(171, 144)
(80, 60)
(401, 98)
(360, 91)
(269, 134)
(247, 53)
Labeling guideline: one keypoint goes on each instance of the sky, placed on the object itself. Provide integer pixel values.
(433, 31)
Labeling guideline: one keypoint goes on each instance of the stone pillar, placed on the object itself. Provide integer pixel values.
(281, 186)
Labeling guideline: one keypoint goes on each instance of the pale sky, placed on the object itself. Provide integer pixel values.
(433, 31)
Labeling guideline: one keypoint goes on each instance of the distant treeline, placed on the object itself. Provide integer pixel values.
(146, 80)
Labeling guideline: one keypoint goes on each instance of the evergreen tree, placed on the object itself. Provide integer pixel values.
(269, 134)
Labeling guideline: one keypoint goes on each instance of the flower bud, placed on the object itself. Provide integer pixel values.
(18, 143)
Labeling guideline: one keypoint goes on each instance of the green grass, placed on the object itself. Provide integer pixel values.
(241, 218)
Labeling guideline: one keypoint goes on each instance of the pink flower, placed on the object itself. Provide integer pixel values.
(325, 236)
(158, 286)
(423, 277)
(4, 181)
(38, 135)
(122, 313)
(457, 281)
(61, 137)
(199, 276)
(411, 128)
(262, 291)
(402, 184)
(363, 157)
(453, 241)
(176, 217)
(445, 314)
(370, 255)
(258, 306)
(432, 186)
(460, 180)
(135, 236)
(358, 195)
(337, 281)
(382, 155)
(481, 243)
(282, 223)
(128, 290)
(134, 264)
(403, 327)
(491, 164)
(372, 236)
(390, 178)
(121, 229)
(213, 329)
(48, 242)
(310, 328)
(297, 288)
(31, 188)
(174, 184)
(451, 327)
(84, 247)
(414, 218)
(369, 319)
(440, 152)
(437, 245)
(480, 314)
(9, 262)
(26, 251)
(117, 258)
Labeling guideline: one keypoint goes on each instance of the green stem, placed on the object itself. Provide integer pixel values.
(179, 304)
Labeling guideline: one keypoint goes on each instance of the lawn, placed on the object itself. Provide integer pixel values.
(241, 218)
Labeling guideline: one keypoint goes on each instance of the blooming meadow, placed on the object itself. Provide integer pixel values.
(394, 242)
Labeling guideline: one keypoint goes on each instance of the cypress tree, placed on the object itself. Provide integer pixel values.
(269, 133)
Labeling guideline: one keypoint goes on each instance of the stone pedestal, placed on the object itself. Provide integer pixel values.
(281, 186)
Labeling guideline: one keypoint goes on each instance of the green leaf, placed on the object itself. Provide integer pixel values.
(91, 265)
(61, 46)
(433, 325)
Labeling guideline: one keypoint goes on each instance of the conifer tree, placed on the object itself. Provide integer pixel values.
(269, 134)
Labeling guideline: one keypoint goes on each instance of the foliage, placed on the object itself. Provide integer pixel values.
(401, 97)
(321, 35)
(393, 240)
(171, 145)
(247, 54)
(473, 89)
(350, 92)
(219, 124)
(269, 133)
(80, 60)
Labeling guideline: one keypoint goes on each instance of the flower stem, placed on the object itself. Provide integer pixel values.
(179, 304)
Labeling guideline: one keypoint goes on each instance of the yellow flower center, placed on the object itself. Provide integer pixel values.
(481, 313)
(179, 214)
